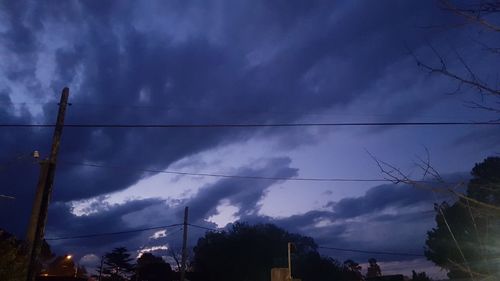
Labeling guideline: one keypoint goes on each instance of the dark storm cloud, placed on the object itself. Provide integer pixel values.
(402, 218)
(108, 215)
(276, 57)
(244, 194)
(395, 196)
(20, 38)
(483, 137)
(105, 217)
(197, 80)
(108, 218)
(306, 224)
(391, 218)
(380, 198)
(19, 43)
(17, 168)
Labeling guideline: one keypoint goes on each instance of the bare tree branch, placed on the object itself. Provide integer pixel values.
(494, 50)
(474, 82)
(475, 105)
(425, 165)
(475, 14)
(174, 256)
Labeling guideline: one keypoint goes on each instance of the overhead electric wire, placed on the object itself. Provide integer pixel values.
(203, 227)
(230, 176)
(213, 229)
(252, 125)
(112, 233)
(87, 106)
(371, 252)
(9, 163)
(334, 248)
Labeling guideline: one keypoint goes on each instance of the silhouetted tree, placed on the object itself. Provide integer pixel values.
(13, 260)
(373, 269)
(249, 252)
(421, 276)
(117, 265)
(465, 239)
(176, 256)
(152, 268)
(351, 271)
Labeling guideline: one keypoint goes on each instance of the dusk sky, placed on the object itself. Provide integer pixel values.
(239, 62)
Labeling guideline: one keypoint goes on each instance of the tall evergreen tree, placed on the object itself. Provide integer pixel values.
(117, 265)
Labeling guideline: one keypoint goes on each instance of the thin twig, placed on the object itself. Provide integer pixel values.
(475, 84)
(469, 15)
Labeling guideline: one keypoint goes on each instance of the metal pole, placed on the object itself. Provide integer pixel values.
(184, 244)
(36, 229)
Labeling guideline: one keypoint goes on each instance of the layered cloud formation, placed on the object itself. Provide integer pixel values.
(177, 62)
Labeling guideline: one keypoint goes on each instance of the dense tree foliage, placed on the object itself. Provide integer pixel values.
(351, 271)
(420, 276)
(465, 239)
(373, 269)
(117, 265)
(249, 252)
(152, 268)
(13, 260)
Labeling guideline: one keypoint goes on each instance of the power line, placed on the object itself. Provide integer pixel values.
(88, 106)
(216, 230)
(230, 176)
(252, 125)
(336, 249)
(371, 252)
(7, 164)
(238, 111)
(111, 233)
(203, 227)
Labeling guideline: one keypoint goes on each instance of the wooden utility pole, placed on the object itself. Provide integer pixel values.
(36, 228)
(289, 261)
(100, 268)
(184, 245)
